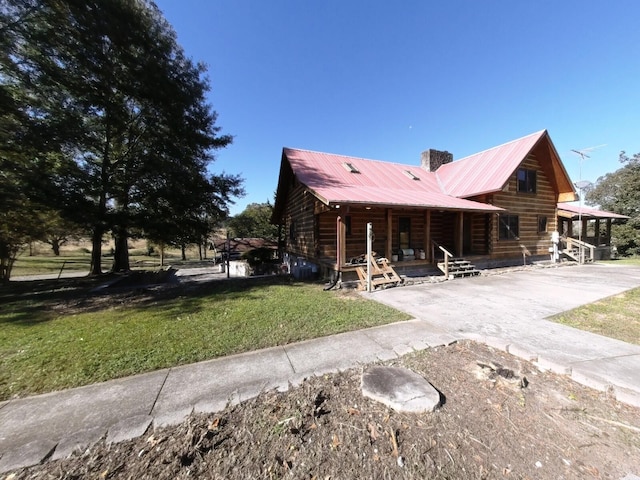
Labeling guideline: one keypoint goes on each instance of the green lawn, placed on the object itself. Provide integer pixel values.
(623, 261)
(79, 261)
(616, 317)
(42, 348)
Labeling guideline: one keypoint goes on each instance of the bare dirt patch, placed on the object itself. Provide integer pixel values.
(488, 427)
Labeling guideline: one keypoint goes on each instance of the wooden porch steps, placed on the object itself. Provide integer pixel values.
(381, 274)
(459, 267)
(574, 254)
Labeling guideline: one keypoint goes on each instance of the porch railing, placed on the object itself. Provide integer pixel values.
(447, 255)
(573, 243)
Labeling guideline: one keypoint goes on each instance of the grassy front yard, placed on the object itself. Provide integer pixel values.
(54, 334)
(616, 317)
(58, 336)
(79, 260)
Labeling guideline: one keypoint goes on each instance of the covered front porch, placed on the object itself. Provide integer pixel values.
(578, 224)
(413, 240)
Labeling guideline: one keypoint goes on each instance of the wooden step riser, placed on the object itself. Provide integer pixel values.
(459, 268)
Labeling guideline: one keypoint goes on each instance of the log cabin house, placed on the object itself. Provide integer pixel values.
(493, 208)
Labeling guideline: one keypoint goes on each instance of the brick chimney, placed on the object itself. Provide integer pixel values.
(432, 159)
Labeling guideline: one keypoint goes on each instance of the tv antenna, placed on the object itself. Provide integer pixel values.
(583, 152)
(582, 185)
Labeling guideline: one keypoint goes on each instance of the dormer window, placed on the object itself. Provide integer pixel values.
(350, 167)
(526, 180)
(411, 175)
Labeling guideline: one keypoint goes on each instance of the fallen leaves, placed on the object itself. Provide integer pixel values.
(214, 424)
(394, 442)
(373, 432)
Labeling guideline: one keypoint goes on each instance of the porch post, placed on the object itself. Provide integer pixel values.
(608, 232)
(597, 232)
(389, 244)
(460, 234)
(342, 242)
(427, 235)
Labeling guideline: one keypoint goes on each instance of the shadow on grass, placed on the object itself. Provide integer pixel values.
(25, 314)
(34, 302)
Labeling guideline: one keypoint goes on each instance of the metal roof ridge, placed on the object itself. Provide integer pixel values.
(539, 133)
(341, 155)
(405, 165)
(443, 189)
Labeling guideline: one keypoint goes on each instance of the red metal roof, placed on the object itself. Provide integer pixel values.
(376, 183)
(587, 212)
(487, 171)
(382, 183)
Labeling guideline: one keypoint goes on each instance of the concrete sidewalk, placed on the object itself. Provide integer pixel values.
(506, 311)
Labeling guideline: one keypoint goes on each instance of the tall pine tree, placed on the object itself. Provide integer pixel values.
(124, 108)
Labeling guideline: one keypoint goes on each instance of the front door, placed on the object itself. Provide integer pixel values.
(404, 232)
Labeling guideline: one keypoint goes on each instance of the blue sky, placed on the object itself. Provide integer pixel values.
(386, 81)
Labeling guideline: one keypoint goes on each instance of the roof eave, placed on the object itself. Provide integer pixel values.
(486, 209)
(485, 192)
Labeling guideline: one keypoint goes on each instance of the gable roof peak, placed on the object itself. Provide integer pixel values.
(539, 134)
(487, 171)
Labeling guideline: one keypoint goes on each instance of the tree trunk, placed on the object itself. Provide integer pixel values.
(121, 255)
(5, 262)
(6, 265)
(183, 247)
(200, 251)
(96, 251)
(99, 228)
(55, 246)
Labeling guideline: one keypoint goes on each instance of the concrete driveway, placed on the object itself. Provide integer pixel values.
(509, 311)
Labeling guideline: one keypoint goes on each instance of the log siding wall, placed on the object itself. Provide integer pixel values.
(528, 207)
(300, 229)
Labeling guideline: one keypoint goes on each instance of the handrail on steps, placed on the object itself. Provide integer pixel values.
(447, 254)
(581, 246)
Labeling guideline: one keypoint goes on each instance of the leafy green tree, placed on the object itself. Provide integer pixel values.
(57, 231)
(14, 204)
(178, 217)
(119, 107)
(254, 222)
(28, 146)
(619, 192)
